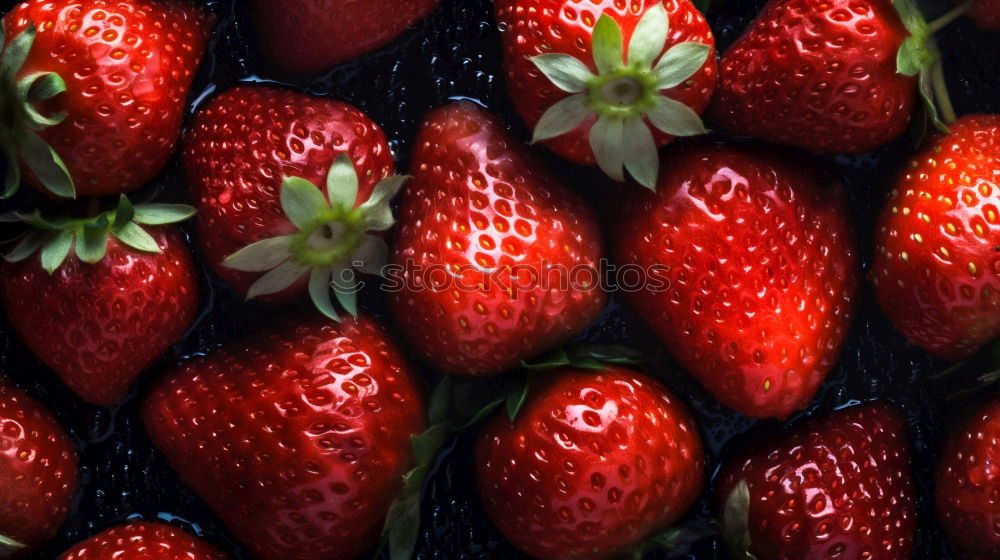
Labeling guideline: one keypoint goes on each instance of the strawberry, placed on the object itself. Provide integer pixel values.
(494, 260)
(937, 267)
(287, 188)
(986, 13)
(593, 464)
(608, 82)
(834, 487)
(92, 92)
(309, 36)
(103, 298)
(139, 540)
(296, 438)
(37, 473)
(749, 273)
(835, 76)
(967, 486)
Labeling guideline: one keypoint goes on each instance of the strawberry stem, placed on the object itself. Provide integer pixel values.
(951, 16)
(940, 87)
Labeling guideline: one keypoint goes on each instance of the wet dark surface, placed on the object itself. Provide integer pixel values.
(455, 53)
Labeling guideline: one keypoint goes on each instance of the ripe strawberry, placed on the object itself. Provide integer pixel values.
(750, 273)
(986, 13)
(308, 36)
(37, 473)
(823, 76)
(259, 160)
(497, 260)
(834, 487)
(143, 541)
(103, 299)
(967, 486)
(594, 463)
(297, 438)
(937, 261)
(95, 99)
(591, 99)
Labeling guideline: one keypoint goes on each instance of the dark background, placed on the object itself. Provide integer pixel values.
(456, 53)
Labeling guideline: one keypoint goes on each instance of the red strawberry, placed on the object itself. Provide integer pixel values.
(986, 13)
(103, 299)
(308, 36)
(593, 464)
(823, 75)
(37, 473)
(143, 541)
(297, 438)
(259, 160)
(837, 487)
(497, 260)
(937, 261)
(967, 486)
(608, 82)
(110, 82)
(750, 273)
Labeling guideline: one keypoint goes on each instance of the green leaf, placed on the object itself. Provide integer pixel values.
(92, 241)
(377, 210)
(278, 279)
(607, 44)
(136, 238)
(680, 63)
(261, 256)
(516, 400)
(12, 177)
(124, 213)
(675, 118)
(41, 86)
(17, 52)
(54, 252)
(371, 256)
(159, 214)
(29, 243)
(46, 164)
(565, 71)
(342, 183)
(736, 521)
(562, 117)
(484, 412)
(649, 37)
(438, 405)
(301, 201)
(347, 295)
(606, 142)
(641, 158)
(557, 359)
(319, 292)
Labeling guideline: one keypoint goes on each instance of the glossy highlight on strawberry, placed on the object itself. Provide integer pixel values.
(139, 540)
(497, 261)
(593, 464)
(297, 438)
(751, 272)
(38, 475)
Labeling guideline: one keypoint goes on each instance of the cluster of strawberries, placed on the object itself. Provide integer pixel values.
(311, 439)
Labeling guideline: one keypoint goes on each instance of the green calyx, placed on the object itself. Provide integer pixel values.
(20, 121)
(625, 96)
(919, 56)
(736, 522)
(10, 547)
(331, 242)
(88, 237)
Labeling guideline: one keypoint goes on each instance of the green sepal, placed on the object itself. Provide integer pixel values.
(517, 398)
(8, 546)
(736, 522)
(92, 241)
(47, 165)
(589, 357)
(54, 252)
(918, 56)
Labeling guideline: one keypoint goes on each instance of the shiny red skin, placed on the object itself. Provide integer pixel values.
(309, 36)
(143, 541)
(819, 75)
(751, 273)
(967, 487)
(593, 464)
(534, 27)
(37, 470)
(836, 487)
(986, 14)
(245, 141)
(297, 438)
(98, 326)
(127, 67)
(937, 269)
(479, 200)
